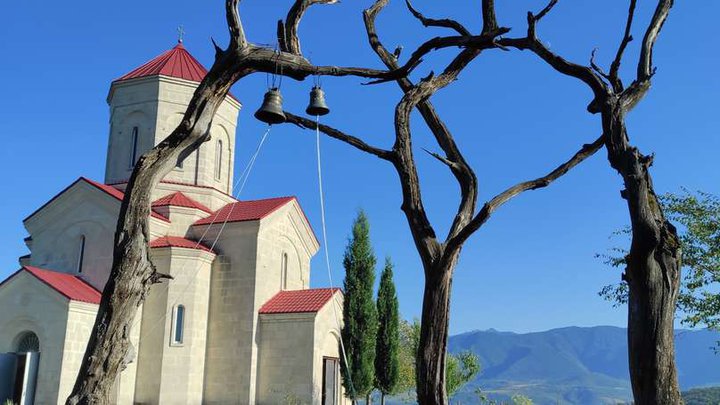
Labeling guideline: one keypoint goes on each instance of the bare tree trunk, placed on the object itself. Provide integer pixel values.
(432, 351)
(654, 279)
(132, 272)
(382, 398)
(652, 274)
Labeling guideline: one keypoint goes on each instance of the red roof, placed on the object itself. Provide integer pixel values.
(70, 286)
(118, 195)
(176, 241)
(245, 211)
(179, 199)
(177, 62)
(298, 301)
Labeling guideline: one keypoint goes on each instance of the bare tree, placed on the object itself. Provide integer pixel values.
(132, 272)
(439, 256)
(654, 259)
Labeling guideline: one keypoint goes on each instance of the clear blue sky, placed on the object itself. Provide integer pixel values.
(530, 268)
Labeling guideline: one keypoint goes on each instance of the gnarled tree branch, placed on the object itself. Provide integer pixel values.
(431, 22)
(339, 135)
(532, 43)
(288, 38)
(237, 33)
(627, 38)
(483, 215)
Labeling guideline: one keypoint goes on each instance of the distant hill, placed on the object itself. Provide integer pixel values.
(702, 396)
(574, 365)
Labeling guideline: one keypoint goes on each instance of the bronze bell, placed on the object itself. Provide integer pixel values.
(271, 111)
(317, 104)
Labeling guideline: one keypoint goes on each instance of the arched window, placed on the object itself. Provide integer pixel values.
(134, 146)
(27, 342)
(218, 159)
(178, 325)
(81, 254)
(283, 271)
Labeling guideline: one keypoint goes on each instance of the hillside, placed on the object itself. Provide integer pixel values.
(574, 365)
(702, 396)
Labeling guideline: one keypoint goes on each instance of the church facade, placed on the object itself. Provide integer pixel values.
(237, 324)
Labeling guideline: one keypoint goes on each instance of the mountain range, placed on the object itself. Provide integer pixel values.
(574, 365)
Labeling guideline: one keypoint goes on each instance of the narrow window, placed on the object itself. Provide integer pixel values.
(81, 254)
(134, 146)
(283, 271)
(218, 159)
(178, 325)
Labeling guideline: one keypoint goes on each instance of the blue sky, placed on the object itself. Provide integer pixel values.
(532, 267)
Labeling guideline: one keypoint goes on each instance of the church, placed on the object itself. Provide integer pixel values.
(237, 324)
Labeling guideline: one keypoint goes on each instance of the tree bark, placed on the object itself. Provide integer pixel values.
(652, 273)
(132, 272)
(432, 352)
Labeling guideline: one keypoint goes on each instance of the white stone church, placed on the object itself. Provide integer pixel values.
(238, 324)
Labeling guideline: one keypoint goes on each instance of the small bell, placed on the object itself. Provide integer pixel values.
(271, 111)
(317, 104)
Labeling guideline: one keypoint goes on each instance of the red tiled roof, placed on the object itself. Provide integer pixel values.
(179, 199)
(299, 301)
(176, 241)
(245, 211)
(118, 195)
(68, 285)
(177, 62)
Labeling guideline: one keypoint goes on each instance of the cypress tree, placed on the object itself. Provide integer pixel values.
(387, 362)
(359, 313)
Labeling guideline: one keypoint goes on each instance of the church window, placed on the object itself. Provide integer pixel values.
(28, 342)
(134, 146)
(81, 254)
(218, 159)
(283, 271)
(178, 325)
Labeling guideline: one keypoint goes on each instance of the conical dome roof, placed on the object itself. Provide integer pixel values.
(176, 62)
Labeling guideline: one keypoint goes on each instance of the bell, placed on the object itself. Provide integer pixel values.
(317, 104)
(271, 111)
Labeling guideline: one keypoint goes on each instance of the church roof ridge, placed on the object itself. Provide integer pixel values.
(179, 199)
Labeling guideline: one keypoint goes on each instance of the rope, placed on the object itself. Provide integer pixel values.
(327, 250)
(243, 178)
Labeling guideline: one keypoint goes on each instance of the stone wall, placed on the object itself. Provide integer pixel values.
(156, 105)
(286, 358)
(37, 308)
